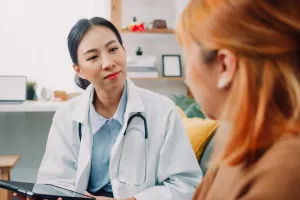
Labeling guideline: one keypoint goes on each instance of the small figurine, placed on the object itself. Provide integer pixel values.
(136, 26)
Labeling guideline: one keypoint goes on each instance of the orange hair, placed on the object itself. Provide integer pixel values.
(264, 99)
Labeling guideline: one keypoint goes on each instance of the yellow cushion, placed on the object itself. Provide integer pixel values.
(182, 114)
(199, 132)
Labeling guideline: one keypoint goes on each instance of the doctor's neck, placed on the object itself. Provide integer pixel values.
(106, 102)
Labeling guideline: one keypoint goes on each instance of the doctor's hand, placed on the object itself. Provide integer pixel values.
(21, 197)
(99, 197)
(106, 198)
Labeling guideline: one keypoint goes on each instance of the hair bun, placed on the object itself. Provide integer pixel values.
(82, 83)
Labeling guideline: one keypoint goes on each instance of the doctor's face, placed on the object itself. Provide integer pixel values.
(101, 59)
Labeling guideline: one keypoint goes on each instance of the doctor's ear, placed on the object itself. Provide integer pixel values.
(78, 71)
(229, 67)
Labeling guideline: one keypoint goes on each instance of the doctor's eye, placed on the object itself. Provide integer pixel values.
(92, 58)
(113, 49)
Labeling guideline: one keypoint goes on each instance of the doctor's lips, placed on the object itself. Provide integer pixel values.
(112, 76)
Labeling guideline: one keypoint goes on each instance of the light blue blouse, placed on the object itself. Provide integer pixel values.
(105, 133)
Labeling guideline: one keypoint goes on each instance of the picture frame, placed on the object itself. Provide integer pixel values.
(171, 65)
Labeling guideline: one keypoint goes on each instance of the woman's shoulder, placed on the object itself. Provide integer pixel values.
(276, 173)
(283, 157)
(284, 153)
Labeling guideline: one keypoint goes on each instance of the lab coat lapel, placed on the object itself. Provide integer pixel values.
(80, 115)
(134, 104)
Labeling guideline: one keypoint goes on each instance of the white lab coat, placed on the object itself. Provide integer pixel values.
(172, 170)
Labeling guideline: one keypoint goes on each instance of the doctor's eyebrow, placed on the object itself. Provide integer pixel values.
(110, 42)
(90, 51)
(96, 50)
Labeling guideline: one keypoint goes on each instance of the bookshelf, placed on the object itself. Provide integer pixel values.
(154, 30)
(159, 78)
(116, 19)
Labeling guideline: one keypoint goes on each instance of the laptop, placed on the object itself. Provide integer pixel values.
(12, 89)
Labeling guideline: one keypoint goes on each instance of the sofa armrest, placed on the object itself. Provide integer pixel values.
(207, 153)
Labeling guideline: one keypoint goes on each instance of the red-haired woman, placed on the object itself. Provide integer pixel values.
(243, 66)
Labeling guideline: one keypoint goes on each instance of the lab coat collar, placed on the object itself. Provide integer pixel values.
(81, 107)
(97, 120)
(134, 102)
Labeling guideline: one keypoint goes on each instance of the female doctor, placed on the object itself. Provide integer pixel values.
(116, 139)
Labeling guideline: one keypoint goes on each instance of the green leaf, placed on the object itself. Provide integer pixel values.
(194, 111)
(182, 101)
(30, 85)
(189, 106)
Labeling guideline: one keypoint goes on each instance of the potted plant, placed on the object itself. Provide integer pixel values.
(190, 107)
(30, 90)
(139, 51)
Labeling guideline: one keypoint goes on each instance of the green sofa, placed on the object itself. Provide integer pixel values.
(206, 155)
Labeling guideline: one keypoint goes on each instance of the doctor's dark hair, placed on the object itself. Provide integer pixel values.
(75, 36)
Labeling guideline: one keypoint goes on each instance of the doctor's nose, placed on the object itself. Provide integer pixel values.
(107, 63)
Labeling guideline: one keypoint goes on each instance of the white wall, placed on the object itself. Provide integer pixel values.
(33, 38)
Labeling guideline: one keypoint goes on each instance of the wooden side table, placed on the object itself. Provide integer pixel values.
(6, 164)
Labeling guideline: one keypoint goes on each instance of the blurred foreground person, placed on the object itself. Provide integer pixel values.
(243, 67)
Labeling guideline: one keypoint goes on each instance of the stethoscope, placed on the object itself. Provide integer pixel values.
(139, 115)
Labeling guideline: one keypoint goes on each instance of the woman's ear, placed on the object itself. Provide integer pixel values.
(78, 71)
(229, 67)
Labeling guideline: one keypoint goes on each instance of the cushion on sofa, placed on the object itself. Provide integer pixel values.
(199, 132)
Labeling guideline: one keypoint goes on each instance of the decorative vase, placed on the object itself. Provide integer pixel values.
(45, 94)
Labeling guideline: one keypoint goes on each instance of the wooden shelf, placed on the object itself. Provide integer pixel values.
(154, 30)
(158, 78)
